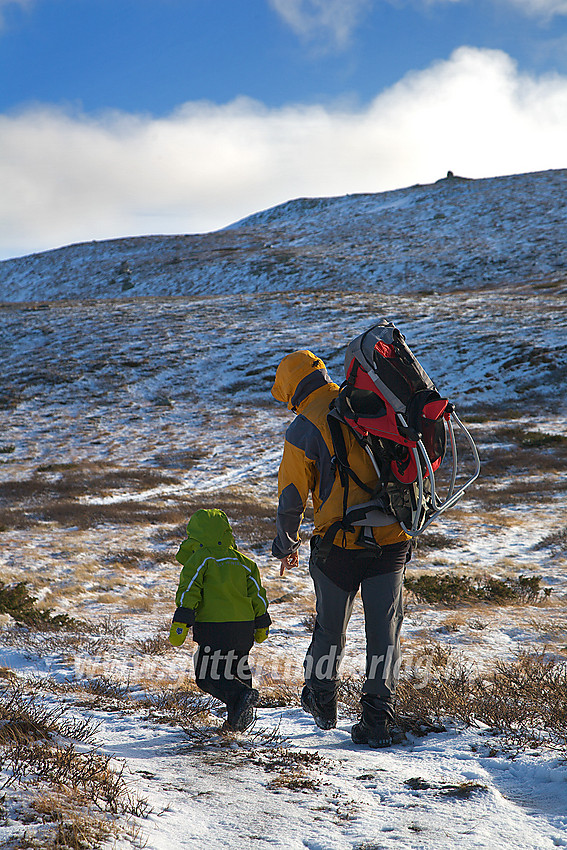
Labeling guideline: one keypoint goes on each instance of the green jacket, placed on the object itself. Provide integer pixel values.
(218, 584)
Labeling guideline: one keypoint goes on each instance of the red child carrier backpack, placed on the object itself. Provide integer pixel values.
(397, 415)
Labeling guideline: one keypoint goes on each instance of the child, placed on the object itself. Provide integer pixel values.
(220, 595)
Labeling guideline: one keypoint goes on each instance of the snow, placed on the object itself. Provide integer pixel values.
(443, 790)
(435, 792)
(153, 400)
(362, 799)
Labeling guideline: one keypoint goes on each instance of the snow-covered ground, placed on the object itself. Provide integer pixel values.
(352, 798)
(119, 417)
(311, 789)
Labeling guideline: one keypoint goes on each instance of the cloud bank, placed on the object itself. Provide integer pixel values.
(73, 177)
(538, 8)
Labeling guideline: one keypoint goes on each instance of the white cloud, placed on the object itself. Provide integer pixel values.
(5, 3)
(334, 19)
(537, 8)
(540, 8)
(69, 177)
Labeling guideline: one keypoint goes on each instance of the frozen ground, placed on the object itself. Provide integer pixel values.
(120, 417)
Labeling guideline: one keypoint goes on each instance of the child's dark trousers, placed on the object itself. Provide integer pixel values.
(222, 673)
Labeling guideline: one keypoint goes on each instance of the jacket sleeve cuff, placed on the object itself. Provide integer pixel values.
(184, 615)
(277, 552)
(263, 621)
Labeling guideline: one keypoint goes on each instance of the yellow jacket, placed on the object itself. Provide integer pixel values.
(303, 384)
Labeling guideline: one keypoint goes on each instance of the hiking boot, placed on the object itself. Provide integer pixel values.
(382, 733)
(242, 715)
(322, 707)
(377, 727)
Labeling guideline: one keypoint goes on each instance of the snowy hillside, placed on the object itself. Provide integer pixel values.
(452, 234)
(119, 418)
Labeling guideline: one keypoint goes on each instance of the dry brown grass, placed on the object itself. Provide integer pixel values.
(67, 823)
(136, 558)
(67, 481)
(276, 693)
(106, 598)
(69, 798)
(141, 604)
(252, 521)
(293, 767)
(56, 495)
(520, 465)
(79, 799)
(67, 513)
(550, 628)
(24, 718)
(157, 645)
(431, 541)
(532, 490)
(487, 520)
(521, 701)
(179, 705)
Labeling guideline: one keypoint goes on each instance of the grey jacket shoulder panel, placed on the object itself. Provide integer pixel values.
(306, 436)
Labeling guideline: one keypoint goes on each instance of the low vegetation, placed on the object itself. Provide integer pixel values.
(451, 589)
(556, 541)
(533, 439)
(520, 704)
(462, 790)
(72, 796)
(72, 495)
(80, 797)
(16, 601)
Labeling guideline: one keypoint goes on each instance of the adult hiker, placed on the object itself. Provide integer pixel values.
(307, 467)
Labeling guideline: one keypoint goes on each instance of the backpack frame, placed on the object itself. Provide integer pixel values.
(393, 409)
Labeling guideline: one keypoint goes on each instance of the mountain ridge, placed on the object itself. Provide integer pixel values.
(452, 234)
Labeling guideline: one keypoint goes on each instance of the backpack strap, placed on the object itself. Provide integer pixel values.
(340, 457)
(340, 462)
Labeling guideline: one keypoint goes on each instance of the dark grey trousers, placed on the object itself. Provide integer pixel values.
(383, 616)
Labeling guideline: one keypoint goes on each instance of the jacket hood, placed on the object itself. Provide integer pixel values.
(298, 375)
(207, 528)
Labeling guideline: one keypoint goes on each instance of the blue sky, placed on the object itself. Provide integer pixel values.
(120, 117)
(153, 55)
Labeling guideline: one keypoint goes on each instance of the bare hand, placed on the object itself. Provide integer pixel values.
(292, 560)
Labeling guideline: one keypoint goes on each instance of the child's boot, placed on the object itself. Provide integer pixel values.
(241, 714)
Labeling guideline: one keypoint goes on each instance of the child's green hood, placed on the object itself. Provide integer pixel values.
(208, 528)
